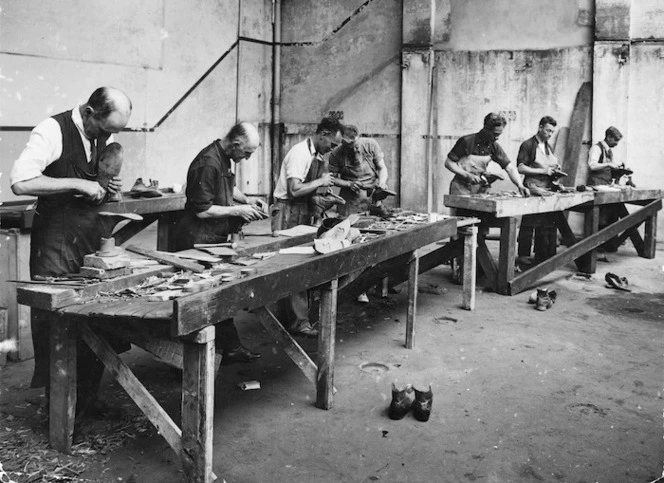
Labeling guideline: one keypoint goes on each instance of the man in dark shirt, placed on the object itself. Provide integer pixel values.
(538, 163)
(468, 160)
(211, 215)
(471, 154)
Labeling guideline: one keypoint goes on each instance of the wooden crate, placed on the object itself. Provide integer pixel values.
(14, 265)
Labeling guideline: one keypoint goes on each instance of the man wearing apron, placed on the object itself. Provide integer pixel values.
(357, 166)
(468, 160)
(302, 173)
(600, 164)
(59, 166)
(537, 162)
(211, 215)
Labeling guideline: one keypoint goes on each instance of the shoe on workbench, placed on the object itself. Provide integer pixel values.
(379, 210)
(141, 190)
(239, 354)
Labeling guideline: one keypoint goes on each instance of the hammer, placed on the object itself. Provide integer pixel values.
(232, 245)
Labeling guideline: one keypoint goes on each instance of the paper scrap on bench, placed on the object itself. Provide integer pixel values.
(299, 250)
(298, 230)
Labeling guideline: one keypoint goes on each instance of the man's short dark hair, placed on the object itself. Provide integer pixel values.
(548, 120)
(349, 131)
(493, 119)
(612, 132)
(330, 125)
(102, 103)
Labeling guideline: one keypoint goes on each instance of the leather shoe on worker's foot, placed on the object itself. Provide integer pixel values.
(241, 354)
(422, 404)
(304, 328)
(401, 401)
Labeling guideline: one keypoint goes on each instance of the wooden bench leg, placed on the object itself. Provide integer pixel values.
(470, 265)
(62, 392)
(650, 237)
(507, 254)
(326, 345)
(588, 262)
(411, 311)
(198, 406)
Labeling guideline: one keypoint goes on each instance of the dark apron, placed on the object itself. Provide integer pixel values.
(474, 164)
(299, 211)
(541, 181)
(65, 228)
(365, 174)
(601, 176)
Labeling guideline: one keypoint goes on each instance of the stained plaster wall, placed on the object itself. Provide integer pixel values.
(180, 62)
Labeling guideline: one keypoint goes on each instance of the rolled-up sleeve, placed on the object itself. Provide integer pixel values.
(44, 146)
(460, 150)
(204, 186)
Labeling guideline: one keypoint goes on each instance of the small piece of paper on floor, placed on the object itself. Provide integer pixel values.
(249, 385)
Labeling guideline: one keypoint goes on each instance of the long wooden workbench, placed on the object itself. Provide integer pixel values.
(163, 209)
(190, 321)
(504, 211)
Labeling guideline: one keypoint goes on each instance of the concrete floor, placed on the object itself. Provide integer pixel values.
(573, 394)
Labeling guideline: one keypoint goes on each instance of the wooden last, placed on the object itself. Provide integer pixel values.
(469, 266)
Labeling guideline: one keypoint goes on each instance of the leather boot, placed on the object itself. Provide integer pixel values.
(545, 298)
(401, 402)
(422, 404)
(110, 164)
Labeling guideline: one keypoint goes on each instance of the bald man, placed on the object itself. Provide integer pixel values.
(59, 165)
(216, 208)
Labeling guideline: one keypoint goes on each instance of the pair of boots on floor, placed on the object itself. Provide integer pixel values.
(402, 402)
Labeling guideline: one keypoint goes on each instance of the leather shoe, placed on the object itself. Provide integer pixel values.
(401, 402)
(422, 404)
(240, 354)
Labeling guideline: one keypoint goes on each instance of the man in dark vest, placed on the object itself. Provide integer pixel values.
(601, 162)
(59, 165)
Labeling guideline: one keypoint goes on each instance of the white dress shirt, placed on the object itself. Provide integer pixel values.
(45, 146)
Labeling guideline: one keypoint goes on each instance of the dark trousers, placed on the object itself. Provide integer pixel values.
(226, 336)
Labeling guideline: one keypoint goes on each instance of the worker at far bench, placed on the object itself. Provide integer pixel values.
(211, 213)
(539, 166)
(601, 164)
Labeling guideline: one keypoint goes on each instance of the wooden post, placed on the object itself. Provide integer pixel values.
(3, 335)
(62, 395)
(411, 311)
(588, 262)
(650, 236)
(469, 266)
(507, 254)
(326, 343)
(198, 406)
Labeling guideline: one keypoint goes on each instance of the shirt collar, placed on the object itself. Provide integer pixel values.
(78, 120)
(485, 136)
(606, 146)
(312, 148)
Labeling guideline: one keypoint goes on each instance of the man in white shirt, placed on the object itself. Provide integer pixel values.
(600, 165)
(600, 158)
(302, 173)
(59, 165)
